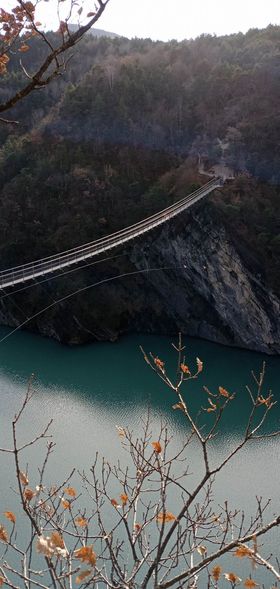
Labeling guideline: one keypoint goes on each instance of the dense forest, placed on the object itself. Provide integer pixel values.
(179, 97)
(120, 136)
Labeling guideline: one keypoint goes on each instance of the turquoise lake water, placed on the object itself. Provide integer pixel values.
(88, 390)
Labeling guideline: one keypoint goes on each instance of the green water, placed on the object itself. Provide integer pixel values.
(89, 390)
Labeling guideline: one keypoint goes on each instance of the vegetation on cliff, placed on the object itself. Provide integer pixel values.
(120, 137)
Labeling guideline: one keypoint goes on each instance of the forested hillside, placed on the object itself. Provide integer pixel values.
(120, 136)
(180, 97)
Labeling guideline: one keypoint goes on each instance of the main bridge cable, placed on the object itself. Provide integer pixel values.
(41, 282)
(61, 274)
(85, 288)
(89, 264)
(37, 283)
(72, 270)
(14, 303)
(91, 249)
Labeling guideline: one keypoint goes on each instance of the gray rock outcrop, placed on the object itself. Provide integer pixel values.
(185, 276)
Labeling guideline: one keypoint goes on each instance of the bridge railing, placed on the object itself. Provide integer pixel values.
(58, 261)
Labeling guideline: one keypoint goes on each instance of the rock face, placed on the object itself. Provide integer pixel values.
(185, 276)
(211, 294)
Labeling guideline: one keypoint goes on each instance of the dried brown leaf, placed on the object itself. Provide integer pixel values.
(232, 578)
(185, 369)
(82, 575)
(250, 583)
(159, 363)
(242, 552)
(157, 447)
(23, 478)
(86, 554)
(224, 392)
(202, 550)
(57, 540)
(124, 498)
(81, 521)
(165, 517)
(178, 406)
(70, 491)
(29, 494)
(10, 516)
(65, 503)
(216, 572)
(137, 527)
(199, 365)
(3, 534)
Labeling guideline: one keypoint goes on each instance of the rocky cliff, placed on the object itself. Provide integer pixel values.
(185, 276)
(212, 294)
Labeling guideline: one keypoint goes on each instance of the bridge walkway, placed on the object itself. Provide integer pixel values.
(50, 264)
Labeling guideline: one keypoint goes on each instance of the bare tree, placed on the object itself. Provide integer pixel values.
(19, 24)
(127, 536)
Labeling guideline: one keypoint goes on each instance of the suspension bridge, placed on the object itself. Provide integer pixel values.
(56, 262)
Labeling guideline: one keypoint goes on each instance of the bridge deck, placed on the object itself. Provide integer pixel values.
(25, 272)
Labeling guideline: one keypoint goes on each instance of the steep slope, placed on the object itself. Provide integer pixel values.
(191, 279)
(122, 140)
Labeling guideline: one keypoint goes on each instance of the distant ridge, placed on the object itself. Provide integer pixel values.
(95, 32)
